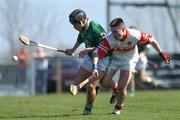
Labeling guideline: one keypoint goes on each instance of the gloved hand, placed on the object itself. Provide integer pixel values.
(165, 57)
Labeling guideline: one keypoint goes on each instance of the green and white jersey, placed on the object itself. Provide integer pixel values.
(92, 35)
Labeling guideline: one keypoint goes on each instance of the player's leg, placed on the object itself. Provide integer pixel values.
(108, 82)
(81, 75)
(125, 77)
(91, 87)
(131, 86)
(126, 72)
(141, 68)
(91, 93)
(90, 97)
(143, 76)
(110, 70)
(84, 71)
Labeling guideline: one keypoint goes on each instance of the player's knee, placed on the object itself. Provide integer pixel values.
(90, 87)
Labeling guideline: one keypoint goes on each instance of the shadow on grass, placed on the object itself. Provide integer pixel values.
(42, 116)
(51, 116)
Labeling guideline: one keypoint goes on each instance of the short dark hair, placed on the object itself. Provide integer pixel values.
(116, 22)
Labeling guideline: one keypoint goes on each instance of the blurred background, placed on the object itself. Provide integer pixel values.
(46, 21)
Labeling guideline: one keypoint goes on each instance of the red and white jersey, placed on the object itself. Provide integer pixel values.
(124, 50)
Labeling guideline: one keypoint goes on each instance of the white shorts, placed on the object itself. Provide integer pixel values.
(130, 65)
(102, 63)
(142, 63)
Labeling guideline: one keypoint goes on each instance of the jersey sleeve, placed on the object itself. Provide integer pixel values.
(145, 39)
(103, 48)
(98, 32)
(142, 38)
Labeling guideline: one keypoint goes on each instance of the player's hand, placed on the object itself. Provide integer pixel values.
(69, 52)
(82, 53)
(165, 57)
(95, 73)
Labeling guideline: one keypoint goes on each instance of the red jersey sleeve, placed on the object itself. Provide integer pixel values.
(103, 48)
(145, 39)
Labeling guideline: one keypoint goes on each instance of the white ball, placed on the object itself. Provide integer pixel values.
(15, 58)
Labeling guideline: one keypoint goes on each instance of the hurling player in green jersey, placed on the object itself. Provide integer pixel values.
(90, 33)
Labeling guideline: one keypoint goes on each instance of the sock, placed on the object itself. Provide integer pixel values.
(88, 107)
(132, 89)
(115, 88)
(118, 107)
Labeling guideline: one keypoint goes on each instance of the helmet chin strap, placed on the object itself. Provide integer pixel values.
(84, 24)
(83, 28)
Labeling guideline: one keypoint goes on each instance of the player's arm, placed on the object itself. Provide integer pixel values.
(100, 52)
(163, 55)
(76, 45)
(85, 51)
(146, 39)
(155, 45)
(72, 50)
(95, 59)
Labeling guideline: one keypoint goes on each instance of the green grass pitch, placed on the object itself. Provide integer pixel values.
(146, 105)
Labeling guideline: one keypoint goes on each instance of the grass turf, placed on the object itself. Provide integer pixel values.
(146, 105)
